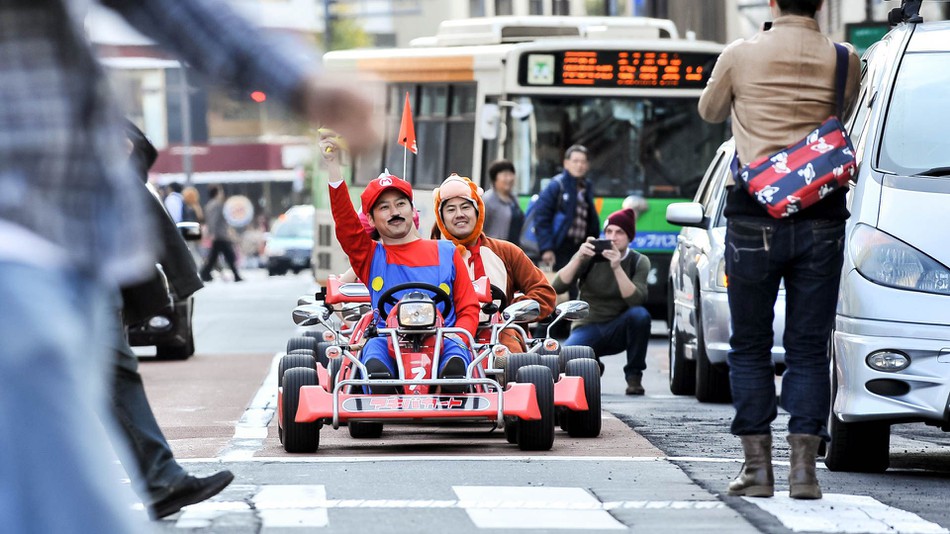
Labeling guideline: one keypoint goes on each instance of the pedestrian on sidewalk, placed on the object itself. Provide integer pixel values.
(220, 230)
(614, 284)
(778, 86)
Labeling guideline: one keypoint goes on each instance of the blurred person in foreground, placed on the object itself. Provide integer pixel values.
(73, 229)
(460, 217)
(165, 487)
(778, 86)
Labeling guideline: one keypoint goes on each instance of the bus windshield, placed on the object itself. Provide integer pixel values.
(656, 147)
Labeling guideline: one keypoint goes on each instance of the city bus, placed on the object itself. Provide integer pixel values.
(527, 88)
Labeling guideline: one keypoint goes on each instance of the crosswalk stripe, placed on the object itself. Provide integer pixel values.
(844, 514)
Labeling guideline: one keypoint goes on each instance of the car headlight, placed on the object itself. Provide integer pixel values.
(417, 314)
(159, 322)
(886, 260)
(722, 280)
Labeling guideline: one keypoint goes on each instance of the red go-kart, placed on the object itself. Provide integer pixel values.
(332, 391)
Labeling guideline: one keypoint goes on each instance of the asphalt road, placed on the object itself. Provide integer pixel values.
(660, 465)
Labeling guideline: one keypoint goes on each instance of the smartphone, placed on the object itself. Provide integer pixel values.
(600, 245)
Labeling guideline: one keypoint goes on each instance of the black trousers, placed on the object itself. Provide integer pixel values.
(223, 247)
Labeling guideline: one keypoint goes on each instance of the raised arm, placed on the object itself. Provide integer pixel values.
(357, 246)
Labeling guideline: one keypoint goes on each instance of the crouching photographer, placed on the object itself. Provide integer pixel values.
(612, 278)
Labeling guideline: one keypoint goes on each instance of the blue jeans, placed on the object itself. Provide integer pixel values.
(629, 331)
(808, 255)
(56, 474)
(153, 457)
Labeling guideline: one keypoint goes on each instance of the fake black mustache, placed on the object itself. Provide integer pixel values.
(396, 219)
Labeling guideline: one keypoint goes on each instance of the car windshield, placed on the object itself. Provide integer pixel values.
(649, 145)
(294, 228)
(914, 138)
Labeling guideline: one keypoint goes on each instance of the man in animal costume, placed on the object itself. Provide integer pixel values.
(460, 217)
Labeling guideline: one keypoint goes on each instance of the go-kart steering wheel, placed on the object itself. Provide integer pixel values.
(498, 294)
(389, 297)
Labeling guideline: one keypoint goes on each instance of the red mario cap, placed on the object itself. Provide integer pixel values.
(381, 184)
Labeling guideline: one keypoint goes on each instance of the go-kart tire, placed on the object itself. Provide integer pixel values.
(538, 435)
(365, 429)
(575, 352)
(316, 333)
(292, 361)
(517, 361)
(511, 430)
(552, 362)
(334, 369)
(298, 437)
(302, 342)
(585, 424)
(321, 353)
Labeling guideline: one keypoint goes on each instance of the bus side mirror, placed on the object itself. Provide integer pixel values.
(489, 121)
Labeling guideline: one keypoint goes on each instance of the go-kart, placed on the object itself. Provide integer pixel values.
(575, 369)
(335, 391)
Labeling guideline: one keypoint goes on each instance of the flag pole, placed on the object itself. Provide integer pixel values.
(405, 156)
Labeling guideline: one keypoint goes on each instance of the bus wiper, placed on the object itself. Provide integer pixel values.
(936, 171)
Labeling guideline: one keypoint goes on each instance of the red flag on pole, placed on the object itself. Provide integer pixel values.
(407, 132)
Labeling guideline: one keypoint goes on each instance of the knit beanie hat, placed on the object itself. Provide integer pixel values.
(459, 186)
(626, 219)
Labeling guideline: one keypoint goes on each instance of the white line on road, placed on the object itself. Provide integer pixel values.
(535, 508)
(251, 430)
(844, 513)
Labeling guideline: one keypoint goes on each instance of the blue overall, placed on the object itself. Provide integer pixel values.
(384, 275)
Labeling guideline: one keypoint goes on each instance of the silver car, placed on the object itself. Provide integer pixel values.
(891, 343)
(699, 308)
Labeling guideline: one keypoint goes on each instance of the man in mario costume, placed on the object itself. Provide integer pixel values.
(401, 256)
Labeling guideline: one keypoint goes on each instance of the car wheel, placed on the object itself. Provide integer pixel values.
(176, 352)
(538, 435)
(302, 342)
(365, 429)
(682, 371)
(712, 381)
(856, 447)
(298, 437)
(585, 424)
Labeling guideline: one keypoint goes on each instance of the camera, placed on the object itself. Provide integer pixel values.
(600, 245)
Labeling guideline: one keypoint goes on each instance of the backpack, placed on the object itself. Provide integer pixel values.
(528, 239)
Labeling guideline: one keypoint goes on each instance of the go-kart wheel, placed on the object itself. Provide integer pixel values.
(291, 361)
(389, 298)
(517, 361)
(538, 435)
(585, 424)
(511, 429)
(302, 342)
(316, 333)
(334, 369)
(552, 362)
(321, 353)
(298, 437)
(575, 352)
(365, 429)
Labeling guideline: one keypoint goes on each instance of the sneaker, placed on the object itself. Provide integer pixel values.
(190, 491)
(454, 368)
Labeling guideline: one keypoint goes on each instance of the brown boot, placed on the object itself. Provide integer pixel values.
(802, 480)
(756, 478)
(634, 386)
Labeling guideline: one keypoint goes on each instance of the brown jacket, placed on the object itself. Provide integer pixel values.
(778, 85)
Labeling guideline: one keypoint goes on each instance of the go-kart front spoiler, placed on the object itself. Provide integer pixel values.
(520, 400)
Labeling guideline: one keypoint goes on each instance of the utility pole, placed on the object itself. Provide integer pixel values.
(185, 117)
(327, 25)
(868, 10)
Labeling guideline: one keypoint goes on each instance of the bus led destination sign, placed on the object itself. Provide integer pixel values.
(616, 68)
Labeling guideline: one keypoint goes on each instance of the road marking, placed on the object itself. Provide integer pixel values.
(535, 508)
(844, 513)
(251, 430)
(429, 458)
(289, 506)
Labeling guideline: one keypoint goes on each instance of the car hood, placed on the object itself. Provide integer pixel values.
(918, 216)
(290, 242)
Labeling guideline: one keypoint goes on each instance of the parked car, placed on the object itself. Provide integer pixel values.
(290, 243)
(697, 302)
(891, 343)
(170, 330)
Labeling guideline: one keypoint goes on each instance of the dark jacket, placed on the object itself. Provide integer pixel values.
(555, 216)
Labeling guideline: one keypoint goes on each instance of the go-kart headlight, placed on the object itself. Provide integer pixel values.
(416, 315)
